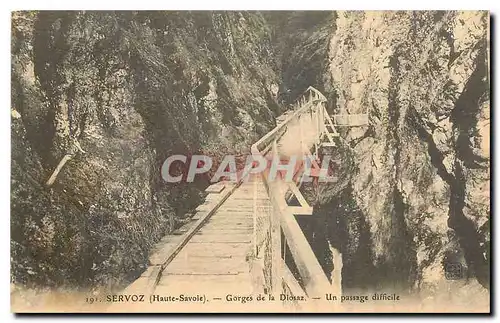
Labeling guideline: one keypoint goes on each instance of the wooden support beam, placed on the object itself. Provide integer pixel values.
(337, 272)
(295, 190)
(300, 210)
(350, 120)
(328, 136)
(61, 164)
(315, 281)
(330, 122)
(290, 281)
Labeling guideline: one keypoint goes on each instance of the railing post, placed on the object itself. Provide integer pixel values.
(275, 230)
(318, 134)
(318, 109)
(301, 135)
(320, 122)
(256, 252)
(323, 111)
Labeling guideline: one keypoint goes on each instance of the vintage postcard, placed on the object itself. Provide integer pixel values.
(250, 161)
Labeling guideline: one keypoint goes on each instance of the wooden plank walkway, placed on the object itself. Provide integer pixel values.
(214, 261)
(219, 252)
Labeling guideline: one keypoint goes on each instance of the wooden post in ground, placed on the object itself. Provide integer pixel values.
(61, 164)
(337, 272)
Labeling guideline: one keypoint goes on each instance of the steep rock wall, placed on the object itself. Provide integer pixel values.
(130, 89)
(417, 197)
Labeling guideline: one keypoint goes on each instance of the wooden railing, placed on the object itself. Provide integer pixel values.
(350, 120)
(308, 120)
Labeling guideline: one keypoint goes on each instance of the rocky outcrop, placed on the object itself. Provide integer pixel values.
(417, 196)
(119, 92)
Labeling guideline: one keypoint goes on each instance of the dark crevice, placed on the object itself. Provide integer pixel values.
(465, 113)
(398, 268)
(465, 228)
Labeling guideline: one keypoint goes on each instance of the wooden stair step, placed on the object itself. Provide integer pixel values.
(229, 226)
(210, 238)
(211, 284)
(259, 199)
(230, 222)
(216, 262)
(215, 230)
(245, 210)
(207, 206)
(231, 219)
(216, 249)
(158, 257)
(234, 233)
(213, 196)
(217, 187)
(203, 267)
(247, 204)
(166, 241)
(200, 270)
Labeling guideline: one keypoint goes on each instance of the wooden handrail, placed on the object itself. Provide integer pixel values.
(315, 281)
(256, 149)
(349, 115)
(312, 89)
(273, 134)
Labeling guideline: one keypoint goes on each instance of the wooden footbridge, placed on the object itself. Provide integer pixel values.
(245, 240)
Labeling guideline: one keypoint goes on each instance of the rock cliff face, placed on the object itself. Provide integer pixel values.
(413, 192)
(129, 89)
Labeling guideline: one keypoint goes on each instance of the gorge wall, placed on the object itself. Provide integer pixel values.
(414, 189)
(130, 89)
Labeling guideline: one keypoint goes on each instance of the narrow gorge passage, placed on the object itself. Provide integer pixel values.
(100, 100)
